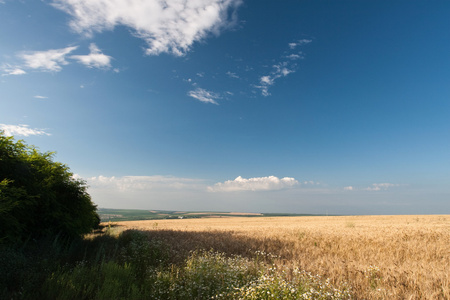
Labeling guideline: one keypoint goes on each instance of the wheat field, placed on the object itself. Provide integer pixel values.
(380, 257)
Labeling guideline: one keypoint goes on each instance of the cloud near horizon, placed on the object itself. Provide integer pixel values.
(381, 186)
(21, 130)
(254, 184)
(169, 26)
(160, 182)
(374, 188)
(133, 183)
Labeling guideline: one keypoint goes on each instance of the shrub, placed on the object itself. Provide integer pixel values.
(40, 197)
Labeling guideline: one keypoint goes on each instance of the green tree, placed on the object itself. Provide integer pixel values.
(40, 197)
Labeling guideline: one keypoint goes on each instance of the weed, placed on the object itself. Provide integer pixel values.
(373, 275)
(350, 225)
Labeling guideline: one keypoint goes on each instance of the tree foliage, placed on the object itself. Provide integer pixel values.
(40, 197)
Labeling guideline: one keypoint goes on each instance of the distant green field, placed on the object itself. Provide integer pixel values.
(111, 214)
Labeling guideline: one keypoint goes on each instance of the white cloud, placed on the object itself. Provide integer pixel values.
(254, 184)
(40, 97)
(50, 60)
(21, 130)
(267, 80)
(17, 72)
(381, 186)
(281, 69)
(374, 188)
(299, 43)
(204, 95)
(134, 183)
(95, 59)
(264, 89)
(170, 26)
(293, 56)
(310, 182)
(232, 75)
(12, 70)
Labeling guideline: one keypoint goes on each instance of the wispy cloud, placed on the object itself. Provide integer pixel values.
(50, 60)
(40, 97)
(12, 70)
(232, 75)
(169, 26)
(381, 186)
(373, 188)
(295, 56)
(95, 59)
(204, 96)
(310, 182)
(286, 64)
(301, 42)
(21, 130)
(133, 183)
(53, 60)
(281, 69)
(254, 184)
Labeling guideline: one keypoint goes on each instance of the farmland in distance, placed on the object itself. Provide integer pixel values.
(111, 214)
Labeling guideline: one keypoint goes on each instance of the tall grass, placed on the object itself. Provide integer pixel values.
(204, 275)
(138, 265)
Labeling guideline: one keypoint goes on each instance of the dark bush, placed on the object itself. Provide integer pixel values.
(39, 197)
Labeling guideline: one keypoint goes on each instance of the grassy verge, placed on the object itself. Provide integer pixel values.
(135, 265)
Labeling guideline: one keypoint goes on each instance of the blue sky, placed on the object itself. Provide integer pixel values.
(337, 107)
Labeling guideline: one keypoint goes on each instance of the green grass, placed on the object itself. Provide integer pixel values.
(136, 266)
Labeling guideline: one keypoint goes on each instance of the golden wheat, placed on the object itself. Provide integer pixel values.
(381, 257)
